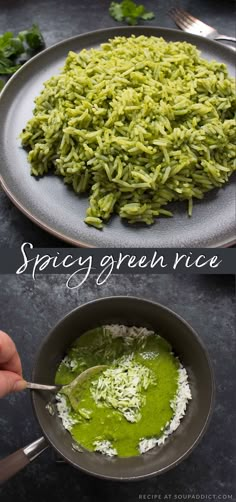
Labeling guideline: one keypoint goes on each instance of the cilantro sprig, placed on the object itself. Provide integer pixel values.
(129, 12)
(16, 50)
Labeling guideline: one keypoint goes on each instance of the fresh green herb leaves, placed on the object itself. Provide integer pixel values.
(33, 38)
(15, 50)
(129, 12)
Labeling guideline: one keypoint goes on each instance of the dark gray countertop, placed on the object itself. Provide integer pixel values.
(29, 309)
(60, 19)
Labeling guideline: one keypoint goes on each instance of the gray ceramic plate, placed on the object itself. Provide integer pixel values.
(50, 204)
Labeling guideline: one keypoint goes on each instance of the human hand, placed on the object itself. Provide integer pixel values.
(11, 379)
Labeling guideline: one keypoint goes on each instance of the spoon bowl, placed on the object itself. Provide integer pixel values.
(73, 389)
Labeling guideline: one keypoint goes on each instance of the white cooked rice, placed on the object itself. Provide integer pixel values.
(70, 363)
(64, 412)
(105, 447)
(117, 330)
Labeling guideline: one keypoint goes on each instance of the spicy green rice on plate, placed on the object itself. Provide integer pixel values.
(135, 124)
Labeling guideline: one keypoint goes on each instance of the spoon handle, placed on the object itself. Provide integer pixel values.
(39, 386)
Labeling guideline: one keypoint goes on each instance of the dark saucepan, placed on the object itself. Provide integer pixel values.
(130, 311)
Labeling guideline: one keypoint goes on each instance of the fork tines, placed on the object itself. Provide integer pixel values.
(187, 22)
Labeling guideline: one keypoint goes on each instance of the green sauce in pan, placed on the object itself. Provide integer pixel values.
(97, 421)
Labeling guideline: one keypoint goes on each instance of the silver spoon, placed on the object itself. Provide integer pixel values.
(78, 380)
(72, 390)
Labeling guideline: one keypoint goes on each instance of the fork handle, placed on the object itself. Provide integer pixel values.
(225, 37)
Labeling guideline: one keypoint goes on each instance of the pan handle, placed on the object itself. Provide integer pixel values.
(12, 464)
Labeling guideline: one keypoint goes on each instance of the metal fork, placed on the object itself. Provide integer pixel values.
(191, 24)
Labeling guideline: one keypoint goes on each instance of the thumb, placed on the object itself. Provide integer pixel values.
(10, 382)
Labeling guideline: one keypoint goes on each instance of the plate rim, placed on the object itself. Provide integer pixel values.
(115, 29)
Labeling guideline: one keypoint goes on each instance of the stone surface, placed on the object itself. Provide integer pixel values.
(29, 309)
(59, 19)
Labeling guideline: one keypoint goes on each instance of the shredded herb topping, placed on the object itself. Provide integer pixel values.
(121, 387)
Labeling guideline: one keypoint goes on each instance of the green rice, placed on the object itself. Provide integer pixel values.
(136, 124)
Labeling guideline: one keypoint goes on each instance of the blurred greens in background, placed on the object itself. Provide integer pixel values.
(16, 50)
(130, 12)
